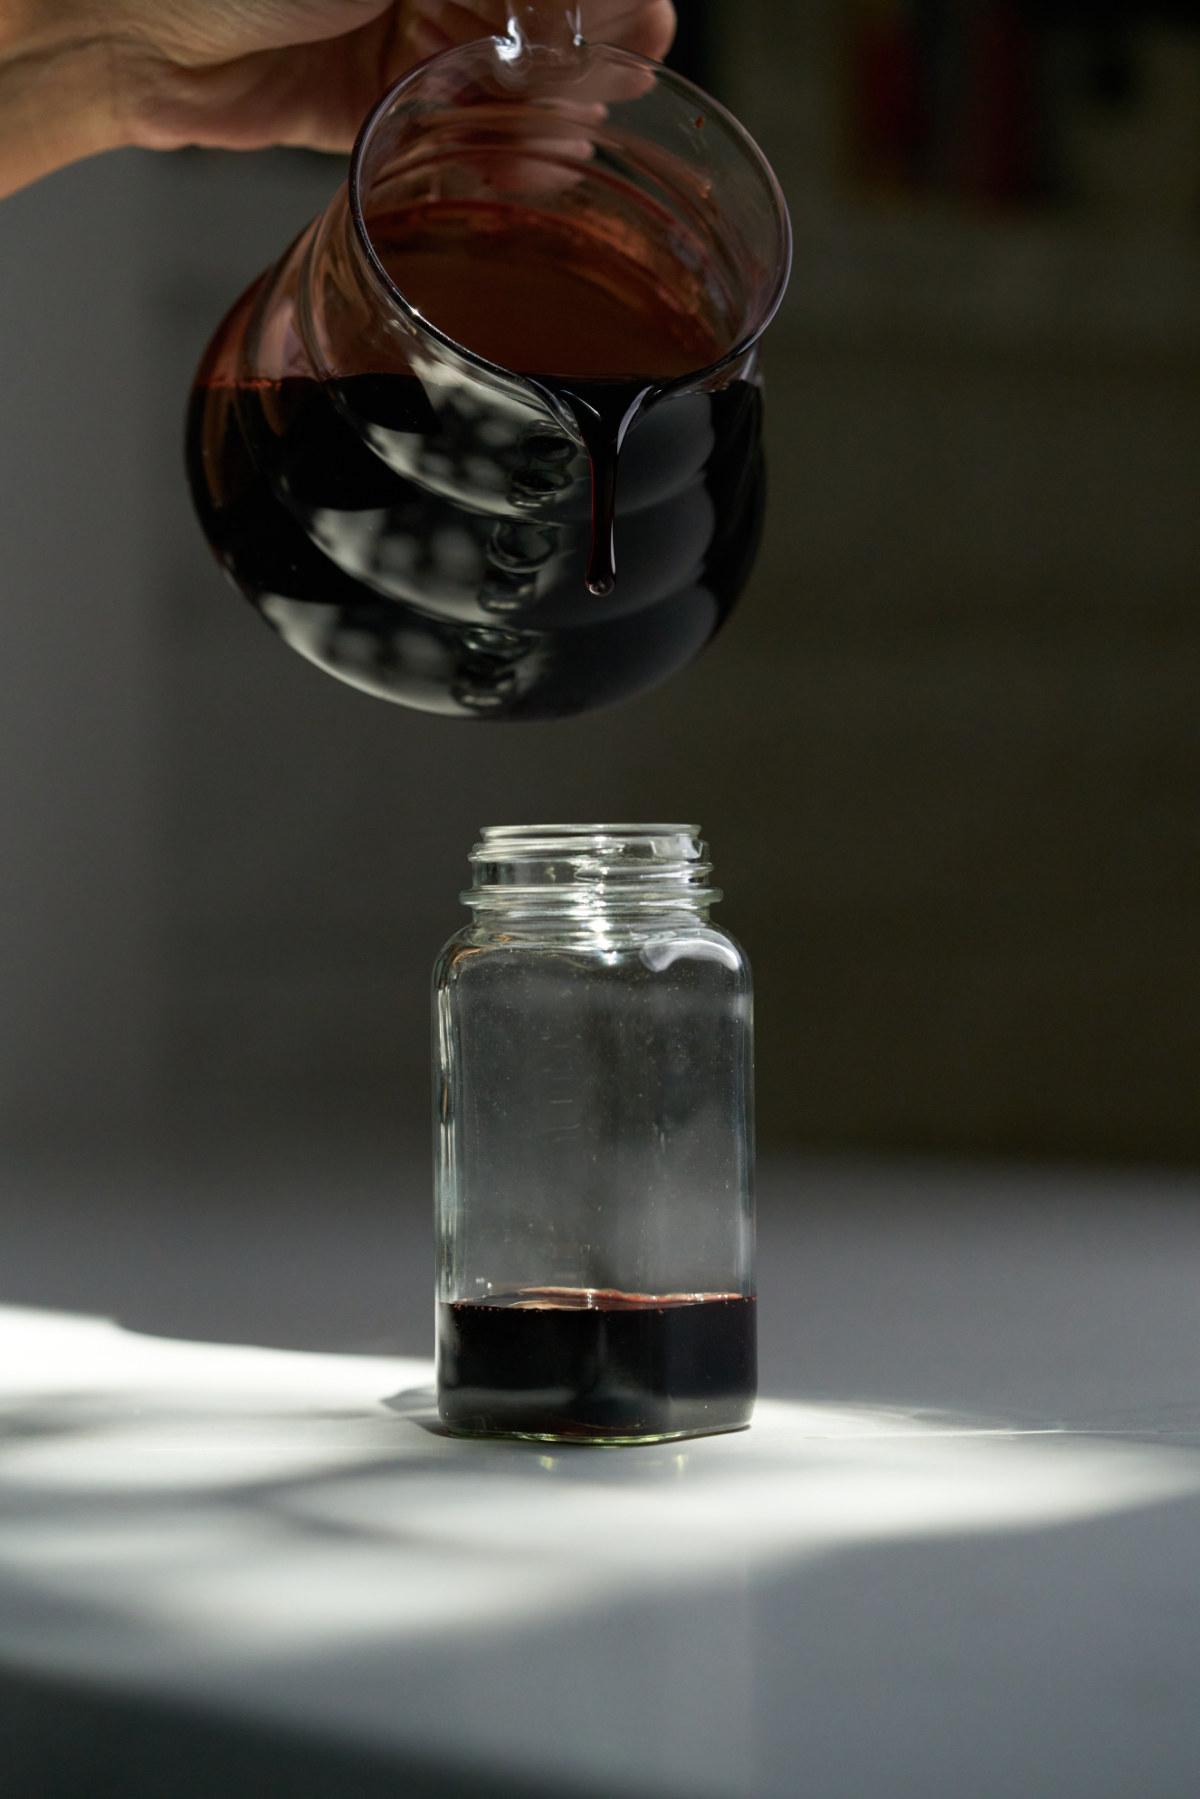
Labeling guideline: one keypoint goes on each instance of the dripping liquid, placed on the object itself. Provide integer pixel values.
(598, 1366)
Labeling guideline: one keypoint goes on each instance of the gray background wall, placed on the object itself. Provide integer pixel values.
(947, 753)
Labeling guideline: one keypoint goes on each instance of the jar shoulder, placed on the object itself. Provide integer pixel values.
(676, 947)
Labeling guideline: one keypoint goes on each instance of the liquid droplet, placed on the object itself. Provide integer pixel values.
(603, 419)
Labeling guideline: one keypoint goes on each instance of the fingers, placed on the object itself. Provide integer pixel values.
(646, 26)
(313, 90)
(439, 25)
(242, 74)
(189, 35)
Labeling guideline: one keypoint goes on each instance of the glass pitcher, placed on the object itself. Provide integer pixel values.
(486, 440)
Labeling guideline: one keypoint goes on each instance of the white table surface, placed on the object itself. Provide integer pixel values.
(957, 1554)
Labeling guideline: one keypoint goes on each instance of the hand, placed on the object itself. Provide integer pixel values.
(80, 76)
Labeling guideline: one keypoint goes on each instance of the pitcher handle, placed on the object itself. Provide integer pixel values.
(543, 25)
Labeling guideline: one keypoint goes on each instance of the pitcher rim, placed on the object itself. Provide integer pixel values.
(695, 377)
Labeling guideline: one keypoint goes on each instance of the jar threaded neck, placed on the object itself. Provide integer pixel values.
(591, 867)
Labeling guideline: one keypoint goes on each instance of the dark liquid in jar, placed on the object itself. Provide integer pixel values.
(596, 1365)
(419, 597)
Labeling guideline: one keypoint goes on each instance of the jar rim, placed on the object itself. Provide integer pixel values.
(518, 833)
(594, 865)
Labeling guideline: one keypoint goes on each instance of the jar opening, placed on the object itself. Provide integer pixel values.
(591, 865)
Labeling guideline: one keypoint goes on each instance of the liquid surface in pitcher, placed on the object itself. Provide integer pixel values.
(517, 612)
(540, 297)
(539, 294)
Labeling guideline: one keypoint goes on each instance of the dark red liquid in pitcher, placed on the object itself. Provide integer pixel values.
(571, 1362)
(404, 584)
(545, 301)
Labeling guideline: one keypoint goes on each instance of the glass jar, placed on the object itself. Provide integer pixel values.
(593, 1143)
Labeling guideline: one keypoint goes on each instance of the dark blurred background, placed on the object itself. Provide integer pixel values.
(947, 753)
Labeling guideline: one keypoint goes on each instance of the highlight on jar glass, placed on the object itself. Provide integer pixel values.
(594, 1143)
